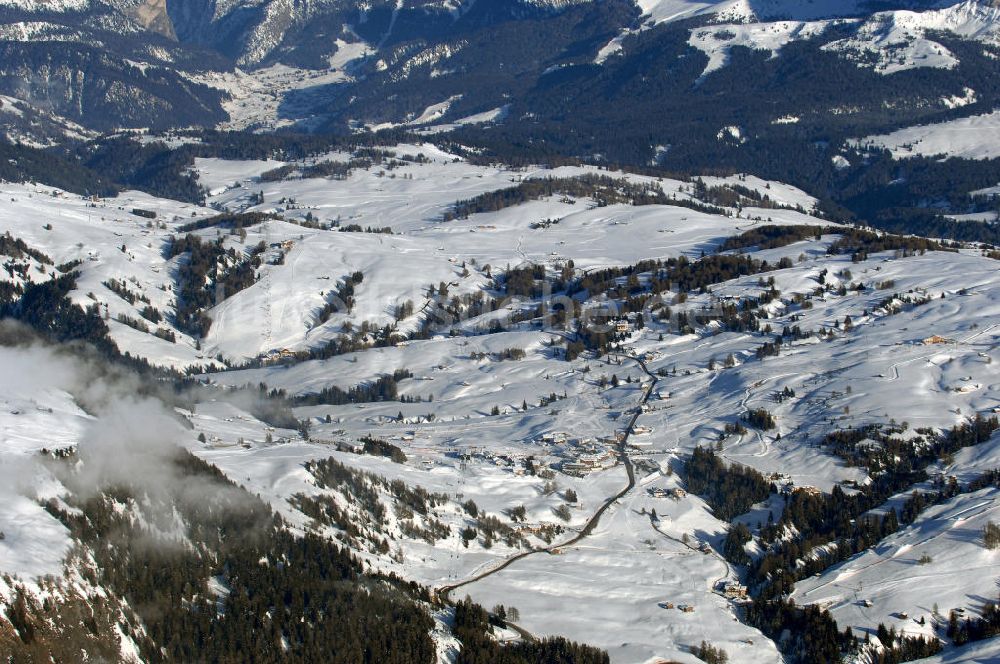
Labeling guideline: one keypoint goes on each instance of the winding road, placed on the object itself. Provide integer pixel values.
(444, 591)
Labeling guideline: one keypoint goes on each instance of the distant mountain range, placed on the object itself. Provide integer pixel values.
(670, 83)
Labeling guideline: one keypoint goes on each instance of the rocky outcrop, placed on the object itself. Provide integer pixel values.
(153, 16)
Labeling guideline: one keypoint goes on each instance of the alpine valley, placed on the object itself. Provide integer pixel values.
(500, 331)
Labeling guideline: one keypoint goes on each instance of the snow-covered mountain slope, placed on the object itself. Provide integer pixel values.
(974, 653)
(882, 335)
(111, 244)
(115, 244)
(411, 203)
(309, 41)
(924, 572)
(870, 365)
(763, 12)
(749, 11)
(46, 5)
(974, 137)
(102, 69)
(277, 63)
(877, 371)
(716, 40)
(36, 544)
(259, 31)
(888, 42)
(22, 123)
(897, 41)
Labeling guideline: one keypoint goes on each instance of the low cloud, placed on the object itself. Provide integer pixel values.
(131, 440)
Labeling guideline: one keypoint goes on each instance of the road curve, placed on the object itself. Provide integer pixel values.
(443, 592)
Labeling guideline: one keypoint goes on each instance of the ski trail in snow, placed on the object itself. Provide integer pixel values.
(392, 25)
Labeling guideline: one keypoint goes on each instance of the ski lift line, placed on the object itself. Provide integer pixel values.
(267, 292)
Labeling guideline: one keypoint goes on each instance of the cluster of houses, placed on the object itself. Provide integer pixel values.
(787, 486)
(734, 590)
(554, 438)
(588, 462)
(275, 355)
(686, 608)
(516, 461)
(581, 456)
(352, 447)
(676, 493)
(640, 443)
(657, 401)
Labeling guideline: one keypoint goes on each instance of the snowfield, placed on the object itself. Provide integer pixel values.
(751, 21)
(35, 412)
